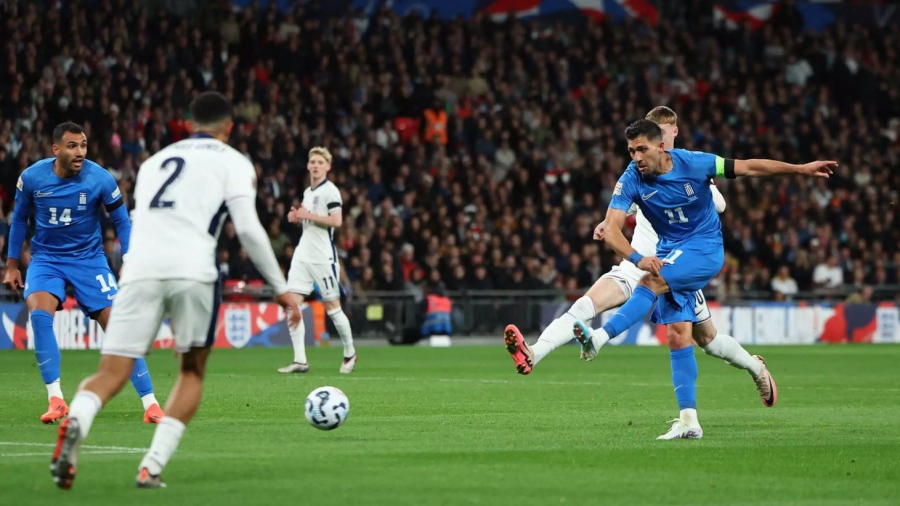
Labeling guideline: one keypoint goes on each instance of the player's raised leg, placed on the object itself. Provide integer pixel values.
(606, 293)
(727, 348)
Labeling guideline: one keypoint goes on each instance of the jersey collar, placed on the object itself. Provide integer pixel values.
(201, 135)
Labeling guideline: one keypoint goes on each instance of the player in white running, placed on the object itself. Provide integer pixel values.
(181, 196)
(315, 259)
(615, 287)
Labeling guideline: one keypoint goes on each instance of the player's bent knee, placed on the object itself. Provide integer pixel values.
(331, 305)
(704, 333)
(118, 368)
(606, 294)
(655, 283)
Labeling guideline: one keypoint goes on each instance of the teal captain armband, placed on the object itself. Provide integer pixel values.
(725, 168)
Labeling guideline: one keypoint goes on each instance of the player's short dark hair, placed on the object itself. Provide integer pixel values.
(643, 128)
(64, 128)
(210, 107)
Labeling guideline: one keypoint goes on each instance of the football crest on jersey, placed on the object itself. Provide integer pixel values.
(689, 190)
(238, 329)
(315, 202)
(82, 201)
(20, 184)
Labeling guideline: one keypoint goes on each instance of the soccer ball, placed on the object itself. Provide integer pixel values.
(327, 408)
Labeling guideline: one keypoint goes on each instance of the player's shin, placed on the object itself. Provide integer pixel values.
(166, 439)
(47, 350)
(632, 312)
(342, 324)
(684, 379)
(140, 378)
(298, 340)
(559, 332)
(728, 349)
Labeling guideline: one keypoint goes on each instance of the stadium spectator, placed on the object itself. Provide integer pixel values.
(492, 149)
(784, 286)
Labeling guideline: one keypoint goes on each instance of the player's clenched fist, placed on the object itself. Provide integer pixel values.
(651, 265)
(600, 231)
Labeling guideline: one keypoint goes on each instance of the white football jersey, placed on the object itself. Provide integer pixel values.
(317, 242)
(180, 199)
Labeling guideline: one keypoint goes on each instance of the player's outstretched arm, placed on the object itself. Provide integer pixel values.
(765, 168)
(615, 221)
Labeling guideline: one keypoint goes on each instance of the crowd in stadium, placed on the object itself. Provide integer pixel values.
(481, 155)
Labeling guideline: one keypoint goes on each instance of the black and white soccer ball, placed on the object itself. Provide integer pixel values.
(327, 408)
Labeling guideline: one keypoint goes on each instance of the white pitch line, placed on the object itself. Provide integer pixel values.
(89, 447)
(503, 382)
(90, 452)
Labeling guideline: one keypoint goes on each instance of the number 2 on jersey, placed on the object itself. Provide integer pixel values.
(158, 202)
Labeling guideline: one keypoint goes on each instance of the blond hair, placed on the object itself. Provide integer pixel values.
(321, 151)
(662, 115)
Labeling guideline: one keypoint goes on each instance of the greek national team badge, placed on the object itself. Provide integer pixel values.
(82, 198)
(689, 189)
(238, 329)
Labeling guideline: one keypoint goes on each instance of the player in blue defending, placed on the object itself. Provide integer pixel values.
(66, 193)
(672, 189)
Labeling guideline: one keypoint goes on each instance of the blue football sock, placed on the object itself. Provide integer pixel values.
(140, 378)
(45, 346)
(684, 377)
(633, 311)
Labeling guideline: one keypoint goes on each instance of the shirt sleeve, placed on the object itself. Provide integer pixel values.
(112, 196)
(334, 201)
(712, 165)
(625, 191)
(18, 226)
(241, 182)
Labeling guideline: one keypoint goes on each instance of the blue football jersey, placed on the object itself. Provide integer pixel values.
(679, 203)
(67, 211)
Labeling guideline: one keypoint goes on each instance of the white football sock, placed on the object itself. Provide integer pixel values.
(342, 324)
(689, 417)
(599, 337)
(165, 442)
(559, 332)
(54, 390)
(298, 339)
(149, 400)
(728, 349)
(84, 408)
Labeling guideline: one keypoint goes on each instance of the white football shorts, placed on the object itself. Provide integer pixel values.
(627, 276)
(303, 275)
(140, 307)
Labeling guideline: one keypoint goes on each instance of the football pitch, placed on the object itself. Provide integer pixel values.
(457, 426)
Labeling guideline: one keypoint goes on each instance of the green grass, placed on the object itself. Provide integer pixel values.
(458, 426)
